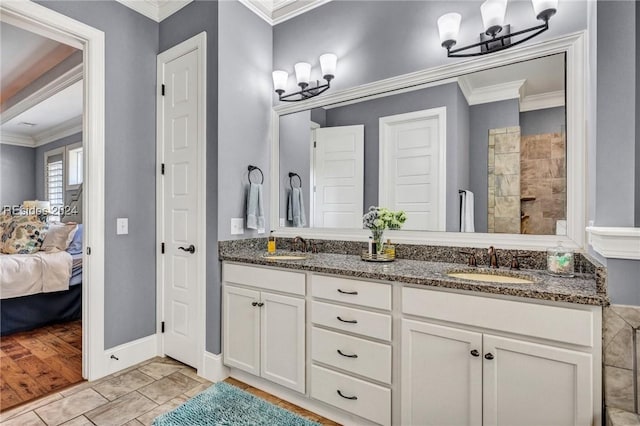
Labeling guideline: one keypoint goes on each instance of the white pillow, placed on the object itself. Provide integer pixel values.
(59, 236)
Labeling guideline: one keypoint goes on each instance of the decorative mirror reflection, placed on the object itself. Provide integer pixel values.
(483, 152)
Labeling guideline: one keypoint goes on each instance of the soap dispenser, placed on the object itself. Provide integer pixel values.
(271, 243)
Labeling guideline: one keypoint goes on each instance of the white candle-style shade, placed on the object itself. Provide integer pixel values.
(540, 6)
(328, 64)
(303, 72)
(280, 80)
(449, 27)
(493, 12)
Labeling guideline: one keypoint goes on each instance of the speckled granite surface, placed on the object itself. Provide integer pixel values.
(582, 289)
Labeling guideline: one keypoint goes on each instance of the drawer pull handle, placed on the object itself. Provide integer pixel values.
(347, 397)
(475, 352)
(348, 321)
(355, 293)
(347, 355)
(488, 356)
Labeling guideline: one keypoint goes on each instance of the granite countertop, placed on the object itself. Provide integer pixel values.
(581, 289)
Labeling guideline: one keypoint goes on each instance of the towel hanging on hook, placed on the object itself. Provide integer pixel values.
(252, 168)
(291, 176)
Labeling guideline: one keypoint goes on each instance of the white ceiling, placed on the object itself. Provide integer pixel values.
(21, 50)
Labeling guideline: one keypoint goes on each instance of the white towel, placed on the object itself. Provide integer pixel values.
(466, 212)
(255, 211)
(295, 208)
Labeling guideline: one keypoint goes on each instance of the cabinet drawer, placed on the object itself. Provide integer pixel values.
(357, 321)
(356, 292)
(265, 278)
(361, 398)
(543, 321)
(369, 359)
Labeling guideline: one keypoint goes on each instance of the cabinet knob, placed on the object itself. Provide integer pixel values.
(347, 397)
(475, 352)
(260, 304)
(254, 303)
(488, 356)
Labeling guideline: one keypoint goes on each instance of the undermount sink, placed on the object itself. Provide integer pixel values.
(489, 277)
(286, 256)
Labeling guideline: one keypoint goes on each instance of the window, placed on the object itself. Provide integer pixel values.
(54, 180)
(74, 165)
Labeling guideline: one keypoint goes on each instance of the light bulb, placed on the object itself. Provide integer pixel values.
(303, 73)
(493, 12)
(449, 27)
(328, 63)
(544, 9)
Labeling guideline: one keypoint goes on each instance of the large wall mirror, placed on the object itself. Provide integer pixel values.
(483, 150)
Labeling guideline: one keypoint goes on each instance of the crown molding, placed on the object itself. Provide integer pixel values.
(155, 9)
(615, 242)
(542, 101)
(7, 138)
(488, 94)
(59, 84)
(284, 11)
(64, 129)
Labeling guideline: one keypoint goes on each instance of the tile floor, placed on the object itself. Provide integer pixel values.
(134, 396)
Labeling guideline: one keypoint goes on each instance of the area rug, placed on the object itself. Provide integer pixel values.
(225, 404)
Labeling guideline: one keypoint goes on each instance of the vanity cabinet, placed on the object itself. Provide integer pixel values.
(264, 331)
(465, 375)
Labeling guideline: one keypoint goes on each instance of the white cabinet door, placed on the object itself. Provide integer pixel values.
(531, 384)
(283, 340)
(441, 375)
(241, 328)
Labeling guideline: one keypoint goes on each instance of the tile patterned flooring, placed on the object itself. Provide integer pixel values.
(134, 396)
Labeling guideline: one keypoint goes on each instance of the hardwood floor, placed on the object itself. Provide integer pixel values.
(38, 362)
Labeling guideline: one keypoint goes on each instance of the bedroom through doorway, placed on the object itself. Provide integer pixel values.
(42, 170)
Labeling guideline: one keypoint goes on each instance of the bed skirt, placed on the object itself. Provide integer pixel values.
(37, 310)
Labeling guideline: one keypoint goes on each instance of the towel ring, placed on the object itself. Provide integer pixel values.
(291, 176)
(252, 168)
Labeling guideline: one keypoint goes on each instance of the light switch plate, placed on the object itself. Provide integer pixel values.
(282, 222)
(122, 226)
(237, 226)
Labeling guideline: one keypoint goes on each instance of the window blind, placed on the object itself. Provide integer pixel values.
(55, 183)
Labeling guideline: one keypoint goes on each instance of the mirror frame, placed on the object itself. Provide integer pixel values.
(573, 45)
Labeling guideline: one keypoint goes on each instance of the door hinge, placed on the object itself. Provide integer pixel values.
(88, 251)
(315, 144)
(162, 248)
(162, 169)
(162, 327)
(163, 90)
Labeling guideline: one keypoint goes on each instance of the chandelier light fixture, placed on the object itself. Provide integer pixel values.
(328, 63)
(496, 36)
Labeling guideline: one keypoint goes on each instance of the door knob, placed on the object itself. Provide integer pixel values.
(488, 356)
(191, 249)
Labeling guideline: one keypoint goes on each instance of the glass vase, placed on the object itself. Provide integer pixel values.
(378, 239)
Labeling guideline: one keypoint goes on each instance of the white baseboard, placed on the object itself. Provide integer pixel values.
(128, 354)
(212, 368)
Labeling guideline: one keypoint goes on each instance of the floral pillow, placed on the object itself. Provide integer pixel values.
(26, 235)
(5, 233)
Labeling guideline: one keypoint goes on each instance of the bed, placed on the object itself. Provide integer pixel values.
(40, 289)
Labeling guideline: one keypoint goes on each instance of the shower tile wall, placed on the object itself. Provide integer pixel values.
(620, 347)
(543, 182)
(504, 180)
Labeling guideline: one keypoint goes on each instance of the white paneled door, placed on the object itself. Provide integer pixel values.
(413, 167)
(339, 177)
(180, 133)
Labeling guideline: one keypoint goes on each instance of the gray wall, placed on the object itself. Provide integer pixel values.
(483, 117)
(616, 172)
(244, 111)
(637, 219)
(191, 20)
(39, 162)
(295, 156)
(17, 169)
(548, 120)
(130, 168)
(381, 39)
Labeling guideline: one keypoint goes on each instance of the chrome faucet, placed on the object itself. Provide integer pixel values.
(493, 257)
